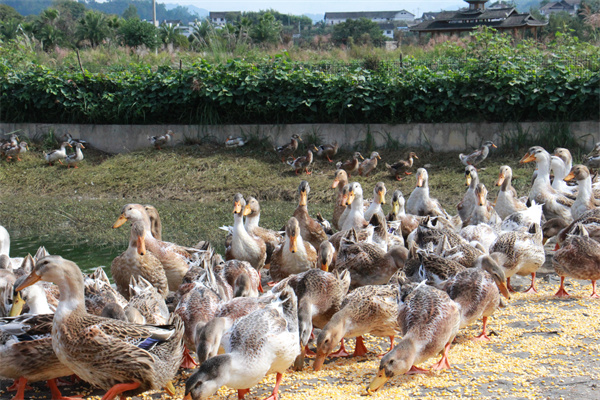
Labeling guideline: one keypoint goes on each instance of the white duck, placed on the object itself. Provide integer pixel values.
(419, 202)
(469, 200)
(245, 247)
(57, 155)
(73, 159)
(379, 192)
(585, 195)
(263, 342)
(356, 216)
(507, 201)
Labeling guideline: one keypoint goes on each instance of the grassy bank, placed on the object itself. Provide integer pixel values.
(193, 186)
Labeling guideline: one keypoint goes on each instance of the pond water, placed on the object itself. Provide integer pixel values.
(87, 256)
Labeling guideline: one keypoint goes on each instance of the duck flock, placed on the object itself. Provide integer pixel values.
(418, 273)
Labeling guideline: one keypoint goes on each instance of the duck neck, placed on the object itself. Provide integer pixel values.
(585, 193)
(251, 222)
(239, 231)
(78, 152)
(543, 177)
(72, 298)
(507, 184)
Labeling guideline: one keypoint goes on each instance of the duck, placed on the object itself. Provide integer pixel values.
(326, 255)
(369, 309)
(302, 163)
(241, 276)
(478, 155)
(585, 195)
(155, 221)
(578, 258)
(560, 171)
(351, 165)
(136, 262)
(367, 263)
(57, 155)
(173, 257)
(287, 150)
(320, 295)
(522, 220)
(507, 202)
(271, 238)
(432, 268)
(356, 216)
(161, 140)
(408, 223)
(244, 246)
(369, 165)
(311, 231)
(483, 212)
(469, 200)
(555, 204)
(589, 220)
(27, 354)
(327, 151)
(592, 159)
(5, 144)
(72, 159)
(98, 292)
(340, 180)
(523, 253)
(379, 192)
(402, 167)
(16, 151)
(419, 203)
(67, 137)
(120, 357)
(429, 320)
(478, 291)
(294, 256)
(234, 142)
(263, 342)
(145, 298)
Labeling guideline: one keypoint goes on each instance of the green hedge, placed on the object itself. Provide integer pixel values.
(487, 88)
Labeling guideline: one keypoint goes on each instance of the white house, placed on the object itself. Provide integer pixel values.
(568, 6)
(333, 18)
(220, 18)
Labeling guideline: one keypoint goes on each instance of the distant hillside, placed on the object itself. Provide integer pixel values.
(315, 17)
(526, 5)
(200, 12)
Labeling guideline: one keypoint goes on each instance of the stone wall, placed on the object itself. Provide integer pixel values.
(437, 137)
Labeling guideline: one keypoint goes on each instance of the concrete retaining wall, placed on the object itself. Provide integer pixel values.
(439, 137)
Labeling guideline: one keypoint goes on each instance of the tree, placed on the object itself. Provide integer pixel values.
(171, 34)
(93, 27)
(201, 33)
(358, 31)
(134, 33)
(7, 13)
(131, 12)
(267, 30)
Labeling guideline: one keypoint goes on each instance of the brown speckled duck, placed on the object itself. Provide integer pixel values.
(294, 255)
(287, 150)
(507, 202)
(402, 167)
(311, 230)
(369, 165)
(271, 238)
(327, 150)
(351, 165)
(340, 180)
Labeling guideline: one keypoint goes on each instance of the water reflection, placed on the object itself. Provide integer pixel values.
(87, 256)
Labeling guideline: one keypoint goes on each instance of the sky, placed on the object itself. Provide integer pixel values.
(299, 7)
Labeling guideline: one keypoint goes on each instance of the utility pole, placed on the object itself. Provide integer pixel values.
(154, 13)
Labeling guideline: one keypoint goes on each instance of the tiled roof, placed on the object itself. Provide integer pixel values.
(365, 14)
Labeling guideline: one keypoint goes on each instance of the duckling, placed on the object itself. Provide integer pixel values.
(419, 203)
(327, 151)
(429, 321)
(477, 156)
(585, 195)
(369, 165)
(507, 202)
(368, 309)
(466, 206)
(73, 159)
(263, 342)
(379, 192)
(114, 355)
(288, 150)
(356, 216)
(351, 165)
(402, 166)
(579, 258)
(302, 163)
(16, 151)
(340, 180)
(57, 155)
(161, 140)
(523, 251)
(271, 238)
(137, 262)
(294, 255)
(244, 246)
(477, 290)
(311, 231)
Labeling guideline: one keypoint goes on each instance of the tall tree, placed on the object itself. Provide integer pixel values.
(267, 30)
(358, 31)
(93, 27)
(131, 12)
(134, 33)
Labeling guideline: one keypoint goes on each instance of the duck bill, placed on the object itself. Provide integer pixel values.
(188, 397)
(481, 199)
(569, 177)
(303, 198)
(350, 198)
(361, 157)
(344, 201)
(335, 183)
(30, 280)
(141, 245)
(324, 266)
(503, 289)
(378, 157)
(120, 221)
(237, 207)
(420, 181)
(494, 146)
(381, 197)
(17, 306)
(170, 389)
(319, 360)
(247, 210)
(395, 207)
(500, 180)
(293, 244)
(544, 240)
(468, 179)
(377, 382)
(415, 156)
(527, 158)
